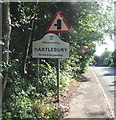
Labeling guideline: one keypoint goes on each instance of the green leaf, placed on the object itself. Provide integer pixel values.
(8, 115)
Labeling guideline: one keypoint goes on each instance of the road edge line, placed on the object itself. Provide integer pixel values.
(109, 106)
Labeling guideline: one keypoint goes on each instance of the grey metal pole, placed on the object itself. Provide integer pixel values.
(38, 77)
(58, 76)
(0, 60)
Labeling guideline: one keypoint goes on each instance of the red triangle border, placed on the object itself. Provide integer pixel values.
(58, 31)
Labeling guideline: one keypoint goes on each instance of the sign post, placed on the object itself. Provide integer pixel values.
(58, 25)
(51, 46)
(38, 61)
(58, 79)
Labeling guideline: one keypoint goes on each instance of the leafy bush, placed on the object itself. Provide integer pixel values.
(46, 111)
(48, 80)
(21, 94)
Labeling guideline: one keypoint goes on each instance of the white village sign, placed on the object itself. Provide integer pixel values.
(50, 46)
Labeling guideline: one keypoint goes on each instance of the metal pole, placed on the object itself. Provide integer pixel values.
(58, 79)
(58, 76)
(38, 61)
(0, 60)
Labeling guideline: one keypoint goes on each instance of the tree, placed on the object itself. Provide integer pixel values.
(114, 58)
(105, 59)
(6, 38)
(88, 21)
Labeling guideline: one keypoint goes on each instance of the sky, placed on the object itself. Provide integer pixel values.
(109, 45)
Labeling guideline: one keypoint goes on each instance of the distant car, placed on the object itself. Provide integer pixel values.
(90, 64)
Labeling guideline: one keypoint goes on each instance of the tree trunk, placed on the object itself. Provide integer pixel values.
(26, 53)
(6, 31)
(25, 57)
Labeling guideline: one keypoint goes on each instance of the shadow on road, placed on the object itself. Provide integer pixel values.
(84, 79)
(113, 84)
(114, 92)
(109, 71)
(109, 74)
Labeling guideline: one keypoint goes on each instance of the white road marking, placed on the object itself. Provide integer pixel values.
(109, 106)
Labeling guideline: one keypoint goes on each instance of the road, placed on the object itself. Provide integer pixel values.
(96, 94)
(106, 77)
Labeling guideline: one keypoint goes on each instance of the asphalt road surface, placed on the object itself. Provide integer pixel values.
(96, 94)
(106, 77)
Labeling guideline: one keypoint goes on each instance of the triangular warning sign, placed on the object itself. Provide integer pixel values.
(58, 24)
